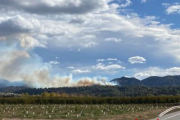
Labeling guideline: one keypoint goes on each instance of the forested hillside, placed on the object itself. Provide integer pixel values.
(102, 91)
(153, 81)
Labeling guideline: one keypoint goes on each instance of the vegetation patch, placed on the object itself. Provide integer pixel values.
(59, 111)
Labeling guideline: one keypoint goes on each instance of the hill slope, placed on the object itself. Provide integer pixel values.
(125, 81)
(6, 83)
(153, 81)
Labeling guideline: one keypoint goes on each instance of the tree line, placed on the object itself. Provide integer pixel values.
(89, 100)
(104, 91)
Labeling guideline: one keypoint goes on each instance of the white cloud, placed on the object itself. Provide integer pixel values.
(112, 59)
(137, 59)
(101, 60)
(172, 8)
(143, 1)
(94, 23)
(79, 50)
(113, 40)
(79, 25)
(54, 6)
(89, 44)
(71, 67)
(54, 62)
(103, 67)
(126, 4)
(108, 59)
(155, 71)
(19, 29)
(14, 25)
(88, 37)
(81, 71)
(87, 41)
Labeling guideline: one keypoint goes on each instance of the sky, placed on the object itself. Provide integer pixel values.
(57, 43)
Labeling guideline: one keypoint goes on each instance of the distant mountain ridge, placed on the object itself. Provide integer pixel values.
(153, 81)
(6, 83)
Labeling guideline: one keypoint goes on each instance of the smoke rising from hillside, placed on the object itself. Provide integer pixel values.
(42, 79)
(21, 65)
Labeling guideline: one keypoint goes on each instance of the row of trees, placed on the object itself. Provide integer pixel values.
(91, 100)
(105, 91)
(53, 94)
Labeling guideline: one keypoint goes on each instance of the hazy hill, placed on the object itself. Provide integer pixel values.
(129, 87)
(6, 83)
(153, 81)
(125, 81)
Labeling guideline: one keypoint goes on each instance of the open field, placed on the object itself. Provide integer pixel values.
(121, 112)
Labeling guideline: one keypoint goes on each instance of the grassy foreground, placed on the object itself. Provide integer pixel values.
(120, 112)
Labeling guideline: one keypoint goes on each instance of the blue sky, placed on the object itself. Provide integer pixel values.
(155, 8)
(71, 43)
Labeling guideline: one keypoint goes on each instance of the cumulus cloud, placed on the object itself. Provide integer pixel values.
(143, 1)
(113, 40)
(71, 26)
(155, 71)
(88, 37)
(103, 67)
(112, 59)
(108, 59)
(101, 60)
(54, 6)
(89, 44)
(137, 59)
(87, 41)
(125, 4)
(54, 62)
(172, 8)
(71, 67)
(97, 23)
(14, 25)
(81, 71)
(19, 29)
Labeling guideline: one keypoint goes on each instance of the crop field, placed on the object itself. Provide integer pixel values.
(77, 111)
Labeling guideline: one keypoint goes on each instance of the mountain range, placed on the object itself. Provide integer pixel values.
(6, 83)
(126, 87)
(153, 81)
